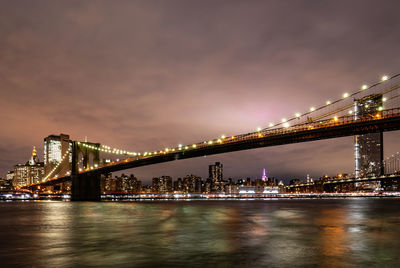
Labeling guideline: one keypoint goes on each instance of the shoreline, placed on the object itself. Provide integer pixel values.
(203, 197)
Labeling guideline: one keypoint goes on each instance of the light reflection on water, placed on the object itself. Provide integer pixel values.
(269, 233)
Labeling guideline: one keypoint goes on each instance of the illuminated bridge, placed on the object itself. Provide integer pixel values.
(334, 119)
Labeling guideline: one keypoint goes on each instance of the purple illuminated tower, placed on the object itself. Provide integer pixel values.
(264, 175)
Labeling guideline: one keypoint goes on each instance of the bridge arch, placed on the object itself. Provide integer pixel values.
(85, 155)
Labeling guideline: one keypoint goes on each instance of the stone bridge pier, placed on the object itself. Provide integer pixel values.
(86, 187)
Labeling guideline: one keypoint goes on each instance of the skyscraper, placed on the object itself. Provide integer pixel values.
(264, 175)
(54, 148)
(368, 147)
(215, 172)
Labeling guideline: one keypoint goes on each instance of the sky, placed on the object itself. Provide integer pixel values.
(145, 75)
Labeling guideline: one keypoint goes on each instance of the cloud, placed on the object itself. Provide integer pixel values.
(151, 74)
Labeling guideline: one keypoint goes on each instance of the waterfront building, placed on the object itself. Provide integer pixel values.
(207, 186)
(162, 184)
(192, 184)
(178, 185)
(30, 173)
(120, 184)
(54, 149)
(132, 184)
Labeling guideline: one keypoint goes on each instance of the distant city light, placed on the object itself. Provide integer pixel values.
(345, 95)
(364, 87)
(328, 102)
(385, 77)
(312, 109)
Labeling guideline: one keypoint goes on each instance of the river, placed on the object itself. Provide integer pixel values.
(356, 232)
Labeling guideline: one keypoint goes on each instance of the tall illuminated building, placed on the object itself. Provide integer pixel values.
(215, 172)
(54, 149)
(215, 177)
(30, 173)
(368, 149)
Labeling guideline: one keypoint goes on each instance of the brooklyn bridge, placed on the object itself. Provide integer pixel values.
(364, 113)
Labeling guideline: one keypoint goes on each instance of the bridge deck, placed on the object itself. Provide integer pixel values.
(387, 120)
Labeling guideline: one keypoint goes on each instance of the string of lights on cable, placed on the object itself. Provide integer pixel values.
(285, 123)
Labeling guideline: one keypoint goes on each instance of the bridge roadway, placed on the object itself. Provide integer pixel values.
(387, 120)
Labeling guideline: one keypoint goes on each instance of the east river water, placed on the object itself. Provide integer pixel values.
(202, 233)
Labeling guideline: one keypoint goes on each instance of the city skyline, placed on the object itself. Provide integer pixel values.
(107, 79)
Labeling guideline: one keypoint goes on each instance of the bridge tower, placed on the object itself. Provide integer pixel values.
(85, 187)
(368, 148)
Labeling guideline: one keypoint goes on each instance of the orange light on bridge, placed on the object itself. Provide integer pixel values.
(378, 115)
(335, 118)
